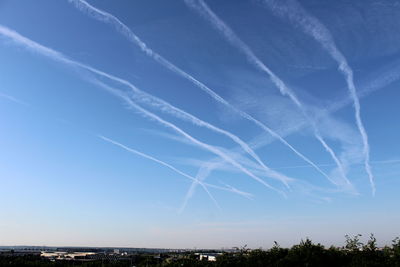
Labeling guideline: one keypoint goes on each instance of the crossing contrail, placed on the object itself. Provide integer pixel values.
(132, 37)
(143, 96)
(164, 106)
(384, 78)
(200, 176)
(313, 27)
(201, 7)
(38, 48)
(195, 180)
(192, 139)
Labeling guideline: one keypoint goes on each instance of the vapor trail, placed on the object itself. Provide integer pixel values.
(200, 176)
(195, 180)
(13, 99)
(106, 17)
(201, 7)
(38, 48)
(193, 140)
(314, 28)
(390, 161)
(164, 106)
(391, 75)
(31, 45)
(142, 96)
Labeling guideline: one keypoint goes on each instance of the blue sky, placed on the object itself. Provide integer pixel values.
(198, 123)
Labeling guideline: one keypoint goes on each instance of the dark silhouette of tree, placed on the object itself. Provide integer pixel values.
(353, 244)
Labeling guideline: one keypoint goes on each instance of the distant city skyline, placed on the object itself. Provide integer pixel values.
(198, 123)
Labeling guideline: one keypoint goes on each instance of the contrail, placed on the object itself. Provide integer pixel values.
(127, 32)
(60, 57)
(143, 96)
(13, 99)
(19, 39)
(164, 106)
(377, 162)
(201, 7)
(200, 176)
(314, 28)
(195, 180)
(391, 74)
(195, 141)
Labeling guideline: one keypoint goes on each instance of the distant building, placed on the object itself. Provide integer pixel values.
(62, 255)
(208, 256)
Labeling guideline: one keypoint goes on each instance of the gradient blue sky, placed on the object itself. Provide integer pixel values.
(63, 184)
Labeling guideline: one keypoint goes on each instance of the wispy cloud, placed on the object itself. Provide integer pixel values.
(200, 176)
(195, 180)
(299, 186)
(13, 99)
(123, 29)
(202, 8)
(376, 81)
(312, 26)
(344, 134)
(31, 45)
(132, 37)
(195, 141)
(204, 171)
(376, 162)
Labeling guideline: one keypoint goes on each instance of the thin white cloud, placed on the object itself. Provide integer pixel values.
(13, 99)
(344, 134)
(206, 167)
(166, 107)
(379, 80)
(202, 173)
(226, 157)
(313, 27)
(374, 82)
(195, 180)
(33, 46)
(376, 162)
(132, 37)
(347, 138)
(201, 7)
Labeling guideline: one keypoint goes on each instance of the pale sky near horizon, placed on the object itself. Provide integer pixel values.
(185, 124)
